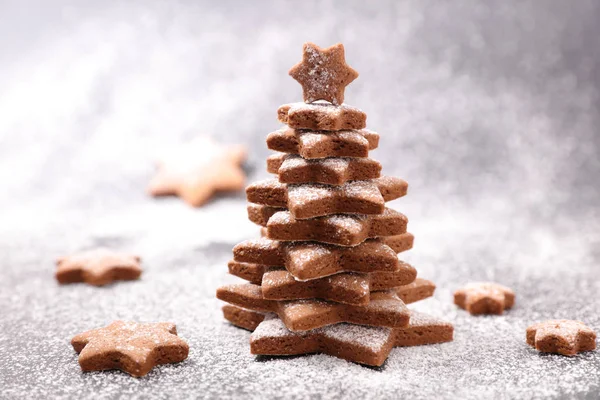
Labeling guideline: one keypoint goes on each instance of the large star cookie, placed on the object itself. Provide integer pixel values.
(484, 298)
(315, 200)
(311, 260)
(562, 336)
(319, 144)
(132, 347)
(195, 173)
(323, 73)
(97, 267)
(384, 308)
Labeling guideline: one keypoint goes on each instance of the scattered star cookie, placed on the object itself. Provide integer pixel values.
(323, 73)
(199, 170)
(98, 267)
(563, 336)
(131, 347)
(484, 298)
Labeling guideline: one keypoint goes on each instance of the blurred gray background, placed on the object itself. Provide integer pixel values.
(490, 110)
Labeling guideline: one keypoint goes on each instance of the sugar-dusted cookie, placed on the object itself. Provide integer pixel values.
(344, 288)
(260, 214)
(98, 267)
(197, 171)
(276, 279)
(342, 230)
(310, 260)
(319, 144)
(315, 200)
(361, 344)
(321, 116)
(384, 308)
(563, 336)
(417, 290)
(132, 347)
(484, 298)
(291, 168)
(323, 73)
(243, 318)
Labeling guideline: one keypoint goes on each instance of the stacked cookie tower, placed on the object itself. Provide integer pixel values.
(325, 275)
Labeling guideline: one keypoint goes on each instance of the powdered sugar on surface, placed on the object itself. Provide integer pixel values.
(488, 111)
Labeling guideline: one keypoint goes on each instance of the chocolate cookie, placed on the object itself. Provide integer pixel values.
(291, 168)
(132, 347)
(361, 344)
(323, 73)
(310, 260)
(315, 200)
(98, 267)
(322, 144)
(383, 309)
(341, 230)
(321, 116)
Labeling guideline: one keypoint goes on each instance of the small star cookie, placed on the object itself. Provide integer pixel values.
(98, 267)
(561, 336)
(484, 298)
(131, 347)
(323, 73)
(195, 173)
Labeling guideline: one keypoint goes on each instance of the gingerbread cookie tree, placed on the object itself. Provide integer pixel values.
(325, 275)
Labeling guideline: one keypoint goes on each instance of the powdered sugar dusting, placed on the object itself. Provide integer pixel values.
(331, 109)
(373, 338)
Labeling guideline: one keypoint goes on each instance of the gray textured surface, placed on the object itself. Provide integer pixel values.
(490, 112)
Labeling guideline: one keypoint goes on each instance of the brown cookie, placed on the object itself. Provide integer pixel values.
(361, 344)
(199, 170)
(410, 293)
(566, 337)
(315, 200)
(323, 73)
(341, 288)
(321, 116)
(418, 290)
(260, 214)
(320, 144)
(341, 230)
(398, 243)
(484, 298)
(291, 168)
(251, 272)
(98, 267)
(379, 280)
(242, 318)
(132, 347)
(383, 309)
(310, 260)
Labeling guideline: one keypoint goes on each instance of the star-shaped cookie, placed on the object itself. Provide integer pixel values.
(561, 336)
(484, 298)
(199, 170)
(98, 267)
(132, 347)
(323, 73)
